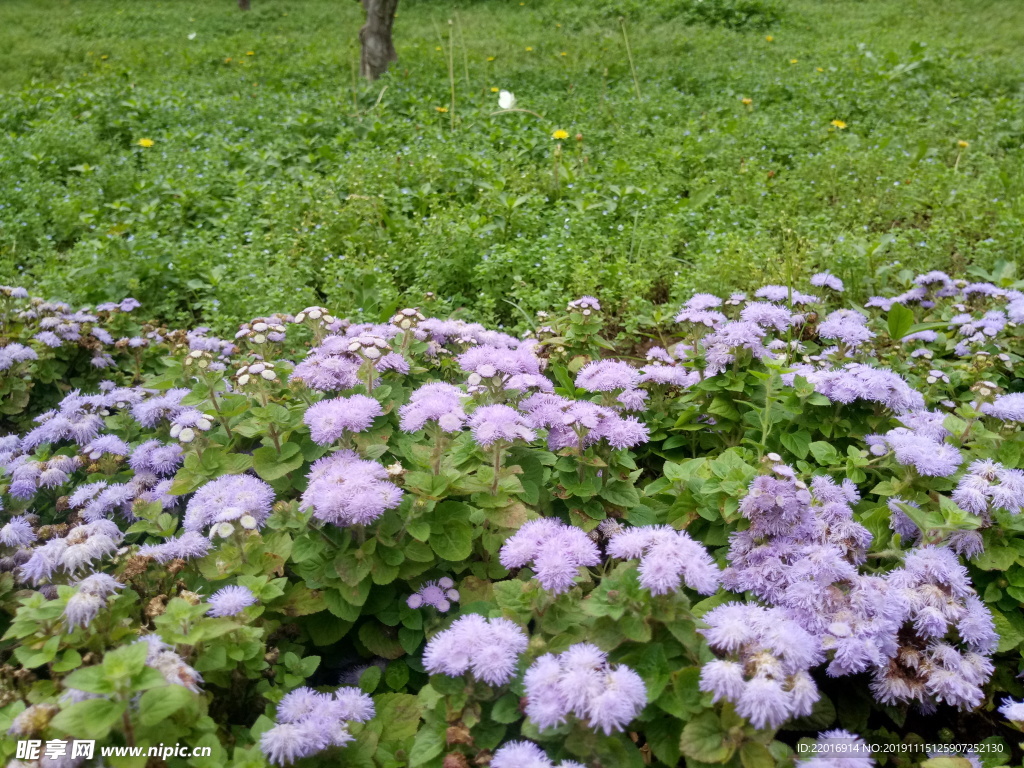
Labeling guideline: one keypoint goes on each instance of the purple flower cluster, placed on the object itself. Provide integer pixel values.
(231, 499)
(765, 669)
(846, 326)
(188, 545)
(839, 749)
(929, 457)
(555, 550)
(580, 423)
(827, 280)
(436, 401)
(91, 597)
(438, 594)
(309, 722)
(988, 486)
(328, 420)
(722, 346)
(493, 423)
(488, 649)
(1005, 407)
(83, 546)
(856, 381)
(17, 532)
(345, 489)
(15, 353)
(581, 682)
(493, 368)
(666, 557)
(526, 754)
(168, 663)
(230, 601)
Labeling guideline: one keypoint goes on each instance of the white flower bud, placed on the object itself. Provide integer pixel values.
(248, 522)
(259, 338)
(187, 435)
(223, 530)
(269, 375)
(243, 379)
(373, 353)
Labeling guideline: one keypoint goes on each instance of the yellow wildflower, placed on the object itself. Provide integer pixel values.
(563, 53)
(441, 109)
(104, 56)
(838, 124)
(494, 89)
(769, 38)
(250, 53)
(560, 134)
(793, 61)
(227, 60)
(963, 144)
(437, 47)
(490, 58)
(145, 142)
(746, 101)
(529, 48)
(819, 69)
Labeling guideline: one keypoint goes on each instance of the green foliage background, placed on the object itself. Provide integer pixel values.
(277, 180)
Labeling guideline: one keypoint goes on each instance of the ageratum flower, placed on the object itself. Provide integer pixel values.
(150, 412)
(184, 547)
(988, 486)
(491, 423)
(156, 457)
(765, 672)
(581, 682)
(556, 551)
(526, 754)
(827, 280)
(438, 594)
(846, 326)
(164, 660)
(17, 532)
(109, 444)
(580, 423)
(345, 489)
(856, 381)
(328, 420)
(1005, 407)
(1012, 710)
(666, 557)
(309, 722)
(230, 601)
(15, 353)
(90, 599)
(488, 649)
(436, 401)
(232, 498)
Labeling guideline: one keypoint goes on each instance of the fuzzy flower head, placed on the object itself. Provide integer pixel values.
(667, 557)
(765, 666)
(581, 682)
(827, 280)
(488, 649)
(526, 754)
(438, 594)
(309, 722)
(345, 489)
(434, 402)
(230, 601)
(493, 423)
(329, 420)
(232, 500)
(556, 552)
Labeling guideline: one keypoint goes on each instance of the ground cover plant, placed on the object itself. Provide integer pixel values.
(790, 523)
(218, 165)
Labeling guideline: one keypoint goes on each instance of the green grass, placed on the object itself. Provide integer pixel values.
(277, 181)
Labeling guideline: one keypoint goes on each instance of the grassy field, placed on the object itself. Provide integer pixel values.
(761, 140)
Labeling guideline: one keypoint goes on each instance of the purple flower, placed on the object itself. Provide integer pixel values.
(557, 552)
(91, 597)
(827, 280)
(438, 594)
(156, 457)
(329, 419)
(1012, 710)
(488, 649)
(347, 490)
(585, 303)
(928, 457)
(232, 498)
(436, 401)
(15, 353)
(17, 532)
(111, 444)
(666, 556)
(1005, 407)
(150, 412)
(190, 544)
(580, 424)
(230, 601)
(856, 381)
(847, 327)
(491, 423)
(164, 660)
(721, 346)
(607, 376)
(766, 672)
(309, 722)
(526, 754)
(581, 682)
(767, 315)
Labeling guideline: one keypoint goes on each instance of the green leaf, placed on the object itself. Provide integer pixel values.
(996, 558)
(798, 443)
(429, 743)
(824, 453)
(370, 679)
(704, 740)
(158, 704)
(755, 755)
(271, 465)
(900, 319)
(91, 719)
(454, 541)
(90, 679)
(31, 658)
(620, 494)
(126, 661)
(506, 709)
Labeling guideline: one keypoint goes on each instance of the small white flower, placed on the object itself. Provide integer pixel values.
(191, 35)
(248, 522)
(507, 100)
(269, 375)
(223, 530)
(187, 435)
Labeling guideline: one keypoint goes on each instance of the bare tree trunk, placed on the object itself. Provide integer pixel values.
(375, 37)
(243, 5)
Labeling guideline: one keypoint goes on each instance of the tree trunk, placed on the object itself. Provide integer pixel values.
(243, 5)
(375, 37)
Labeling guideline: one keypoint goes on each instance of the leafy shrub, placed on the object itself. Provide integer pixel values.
(789, 521)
